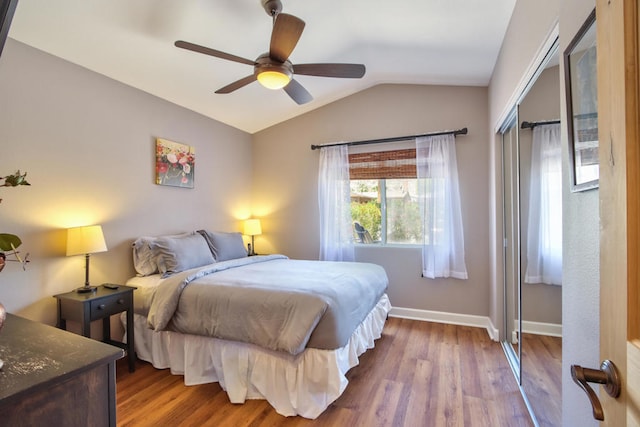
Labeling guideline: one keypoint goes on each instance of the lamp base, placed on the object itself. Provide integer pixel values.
(86, 289)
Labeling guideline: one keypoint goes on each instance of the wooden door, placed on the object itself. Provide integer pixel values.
(617, 32)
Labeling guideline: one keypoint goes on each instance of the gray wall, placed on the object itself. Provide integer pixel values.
(88, 145)
(581, 255)
(285, 184)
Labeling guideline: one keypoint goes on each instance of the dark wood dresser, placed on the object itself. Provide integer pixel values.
(54, 377)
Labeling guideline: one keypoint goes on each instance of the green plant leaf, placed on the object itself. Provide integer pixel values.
(16, 179)
(6, 240)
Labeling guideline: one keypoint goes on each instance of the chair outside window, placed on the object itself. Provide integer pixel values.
(362, 234)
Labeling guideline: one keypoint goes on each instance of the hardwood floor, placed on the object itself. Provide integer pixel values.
(542, 377)
(419, 374)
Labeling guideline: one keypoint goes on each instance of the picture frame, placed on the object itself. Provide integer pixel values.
(175, 164)
(581, 86)
(7, 10)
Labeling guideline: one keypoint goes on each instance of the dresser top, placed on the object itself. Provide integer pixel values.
(35, 355)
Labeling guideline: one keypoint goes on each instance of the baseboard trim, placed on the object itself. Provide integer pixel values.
(539, 328)
(449, 318)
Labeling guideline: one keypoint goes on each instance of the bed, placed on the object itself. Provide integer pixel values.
(263, 327)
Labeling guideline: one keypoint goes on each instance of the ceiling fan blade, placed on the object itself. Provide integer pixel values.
(208, 51)
(298, 93)
(237, 84)
(349, 71)
(287, 30)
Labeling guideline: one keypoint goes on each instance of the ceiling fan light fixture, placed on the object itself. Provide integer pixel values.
(272, 79)
(273, 69)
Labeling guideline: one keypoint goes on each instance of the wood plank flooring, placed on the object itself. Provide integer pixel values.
(419, 374)
(542, 377)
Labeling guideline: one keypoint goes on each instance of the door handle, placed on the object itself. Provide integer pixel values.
(607, 375)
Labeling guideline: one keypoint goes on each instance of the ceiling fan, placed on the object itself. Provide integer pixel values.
(273, 69)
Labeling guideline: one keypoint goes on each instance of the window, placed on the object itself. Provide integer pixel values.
(384, 197)
(386, 209)
(411, 196)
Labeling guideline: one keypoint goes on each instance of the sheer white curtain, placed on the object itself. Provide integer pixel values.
(334, 197)
(442, 234)
(544, 233)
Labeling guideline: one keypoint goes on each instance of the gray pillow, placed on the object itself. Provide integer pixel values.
(226, 246)
(144, 256)
(208, 237)
(175, 254)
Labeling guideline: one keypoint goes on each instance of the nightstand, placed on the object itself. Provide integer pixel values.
(101, 304)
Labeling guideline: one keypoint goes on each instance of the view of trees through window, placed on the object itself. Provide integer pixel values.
(388, 209)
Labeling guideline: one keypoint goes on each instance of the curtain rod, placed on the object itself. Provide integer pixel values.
(462, 131)
(531, 125)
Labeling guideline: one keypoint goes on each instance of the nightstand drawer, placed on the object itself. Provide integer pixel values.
(110, 305)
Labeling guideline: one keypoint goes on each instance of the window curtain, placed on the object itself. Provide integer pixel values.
(544, 233)
(334, 198)
(440, 208)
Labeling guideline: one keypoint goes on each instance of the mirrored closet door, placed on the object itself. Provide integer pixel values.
(532, 230)
(511, 234)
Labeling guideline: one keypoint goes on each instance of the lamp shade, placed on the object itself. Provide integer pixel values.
(85, 240)
(252, 227)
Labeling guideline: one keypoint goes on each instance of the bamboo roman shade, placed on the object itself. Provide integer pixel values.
(383, 164)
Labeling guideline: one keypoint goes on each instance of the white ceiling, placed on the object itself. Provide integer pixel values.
(403, 41)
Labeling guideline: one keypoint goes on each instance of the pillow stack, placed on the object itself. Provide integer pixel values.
(178, 252)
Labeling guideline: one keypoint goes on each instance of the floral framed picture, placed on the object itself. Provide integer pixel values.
(175, 163)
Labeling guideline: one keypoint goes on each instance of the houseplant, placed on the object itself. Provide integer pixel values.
(10, 242)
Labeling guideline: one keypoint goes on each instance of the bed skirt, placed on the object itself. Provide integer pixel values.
(305, 384)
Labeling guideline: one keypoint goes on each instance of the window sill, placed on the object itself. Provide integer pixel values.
(388, 245)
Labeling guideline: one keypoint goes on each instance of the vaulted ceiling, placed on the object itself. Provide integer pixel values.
(452, 42)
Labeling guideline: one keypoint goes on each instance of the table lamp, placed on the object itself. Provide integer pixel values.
(252, 228)
(85, 240)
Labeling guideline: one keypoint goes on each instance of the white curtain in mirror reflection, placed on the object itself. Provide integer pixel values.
(544, 232)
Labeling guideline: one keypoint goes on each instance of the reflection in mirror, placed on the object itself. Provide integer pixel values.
(511, 247)
(540, 165)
